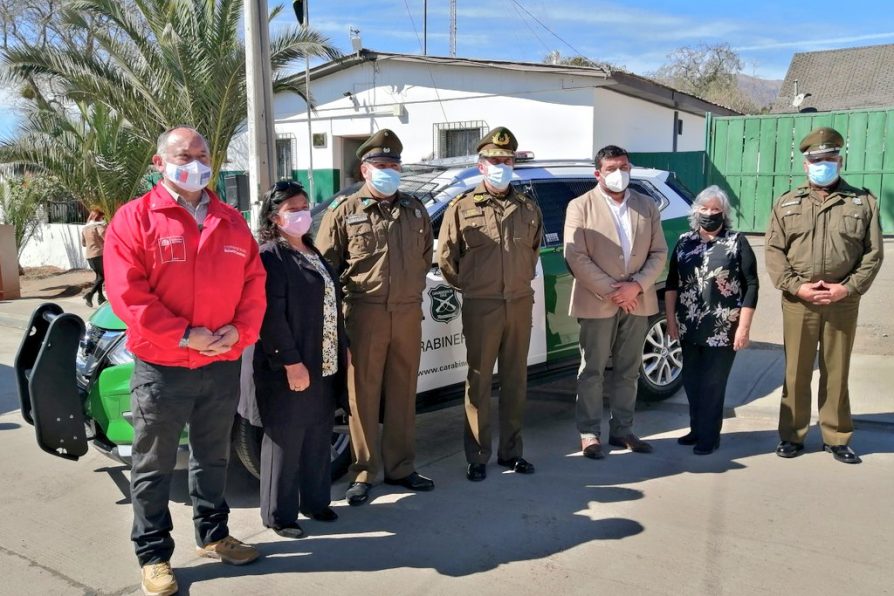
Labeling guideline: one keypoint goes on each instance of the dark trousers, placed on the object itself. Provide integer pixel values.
(163, 400)
(705, 373)
(496, 332)
(96, 265)
(296, 471)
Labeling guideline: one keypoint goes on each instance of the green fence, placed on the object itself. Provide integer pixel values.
(756, 158)
(689, 166)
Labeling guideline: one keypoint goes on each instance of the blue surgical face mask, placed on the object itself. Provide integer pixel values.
(499, 175)
(823, 173)
(384, 181)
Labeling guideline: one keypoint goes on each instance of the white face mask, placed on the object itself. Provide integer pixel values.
(191, 177)
(499, 175)
(617, 181)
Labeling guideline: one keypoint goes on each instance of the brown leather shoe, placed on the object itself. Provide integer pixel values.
(592, 448)
(632, 442)
(229, 551)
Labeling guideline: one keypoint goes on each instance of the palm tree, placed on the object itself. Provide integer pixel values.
(163, 63)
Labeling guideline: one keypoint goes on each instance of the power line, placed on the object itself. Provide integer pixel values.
(533, 31)
(551, 32)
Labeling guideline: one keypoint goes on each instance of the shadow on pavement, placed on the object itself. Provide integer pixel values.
(9, 395)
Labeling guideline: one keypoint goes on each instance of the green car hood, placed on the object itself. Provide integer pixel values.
(106, 319)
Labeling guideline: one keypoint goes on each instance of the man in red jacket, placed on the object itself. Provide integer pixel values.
(183, 273)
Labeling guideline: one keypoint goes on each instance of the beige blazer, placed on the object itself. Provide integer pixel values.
(593, 253)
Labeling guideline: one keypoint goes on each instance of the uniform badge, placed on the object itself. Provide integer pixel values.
(529, 206)
(501, 138)
(858, 201)
(795, 202)
(357, 218)
(418, 213)
(473, 212)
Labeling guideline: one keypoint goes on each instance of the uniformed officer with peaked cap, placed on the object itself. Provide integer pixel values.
(379, 240)
(488, 249)
(823, 250)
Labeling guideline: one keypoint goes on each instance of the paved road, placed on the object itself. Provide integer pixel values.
(741, 521)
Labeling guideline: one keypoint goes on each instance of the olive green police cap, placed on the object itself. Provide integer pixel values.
(499, 142)
(822, 141)
(382, 146)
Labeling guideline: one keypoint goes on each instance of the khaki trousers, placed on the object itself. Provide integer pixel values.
(496, 331)
(385, 350)
(832, 327)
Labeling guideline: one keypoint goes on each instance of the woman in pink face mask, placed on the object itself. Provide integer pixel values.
(300, 365)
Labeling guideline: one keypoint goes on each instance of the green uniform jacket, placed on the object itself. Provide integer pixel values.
(837, 240)
(488, 246)
(381, 255)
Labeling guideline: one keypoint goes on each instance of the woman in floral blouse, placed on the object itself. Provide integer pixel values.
(710, 298)
(299, 365)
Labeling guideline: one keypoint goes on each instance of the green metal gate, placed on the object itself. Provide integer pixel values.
(756, 158)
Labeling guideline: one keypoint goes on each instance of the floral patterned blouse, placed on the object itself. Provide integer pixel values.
(714, 280)
(330, 317)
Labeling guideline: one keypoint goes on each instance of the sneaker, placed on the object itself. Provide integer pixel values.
(229, 551)
(158, 579)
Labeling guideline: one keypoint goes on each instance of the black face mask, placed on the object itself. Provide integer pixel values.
(710, 223)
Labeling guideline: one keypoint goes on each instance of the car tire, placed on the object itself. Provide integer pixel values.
(247, 445)
(660, 374)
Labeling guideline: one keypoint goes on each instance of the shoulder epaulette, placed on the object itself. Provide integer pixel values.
(337, 202)
(459, 197)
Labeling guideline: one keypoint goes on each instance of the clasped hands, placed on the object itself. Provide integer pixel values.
(822, 292)
(212, 343)
(626, 295)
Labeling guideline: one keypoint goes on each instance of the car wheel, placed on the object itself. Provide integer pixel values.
(247, 445)
(660, 374)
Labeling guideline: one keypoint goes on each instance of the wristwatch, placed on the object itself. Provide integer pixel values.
(184, 341)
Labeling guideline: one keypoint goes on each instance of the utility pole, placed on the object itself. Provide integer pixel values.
(453, 28)
(305, 23)
(259, 89)
(425, 27)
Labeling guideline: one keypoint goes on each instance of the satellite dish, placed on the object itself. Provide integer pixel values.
(799, 99)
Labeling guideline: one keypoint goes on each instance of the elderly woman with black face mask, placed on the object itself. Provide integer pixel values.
(710, 297)
(300, 363)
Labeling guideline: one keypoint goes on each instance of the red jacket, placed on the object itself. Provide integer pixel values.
(164, 275)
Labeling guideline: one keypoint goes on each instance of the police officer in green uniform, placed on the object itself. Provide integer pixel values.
(379, 241)
(488, 249)
(823, 249)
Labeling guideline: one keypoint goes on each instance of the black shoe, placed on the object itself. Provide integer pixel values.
(326, 515)
(414, 481)
(89, 300)
(101, 299)
(358, 493)
(517, 465)
(702, 451)
(292, 530)
(632, 442)
(687, 439)
(842, 453)
(592, 448)
(788, 449)
(476, 472)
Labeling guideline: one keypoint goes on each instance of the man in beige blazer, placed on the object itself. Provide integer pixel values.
(615, 249)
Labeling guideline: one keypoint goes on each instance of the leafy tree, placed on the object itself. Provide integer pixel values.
(707, 71)
(555, 57)
(158, 64)
(21, 200)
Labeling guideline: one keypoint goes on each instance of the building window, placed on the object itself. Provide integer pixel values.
(285, 152)
(455, 139)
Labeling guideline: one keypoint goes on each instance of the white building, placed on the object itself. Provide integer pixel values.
(440, 107)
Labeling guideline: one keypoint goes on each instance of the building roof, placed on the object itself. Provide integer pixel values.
(617, 80)
(842, 79)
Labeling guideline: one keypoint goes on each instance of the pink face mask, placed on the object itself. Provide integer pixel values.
(295, 223)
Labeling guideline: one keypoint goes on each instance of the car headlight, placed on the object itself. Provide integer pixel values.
(119, 354)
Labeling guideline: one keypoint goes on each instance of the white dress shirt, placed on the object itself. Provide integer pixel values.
(621, 216)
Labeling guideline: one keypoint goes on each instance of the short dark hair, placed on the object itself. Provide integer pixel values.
(609, 152)
(273, 198)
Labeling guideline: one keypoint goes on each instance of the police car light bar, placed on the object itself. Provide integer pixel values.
(524, 155)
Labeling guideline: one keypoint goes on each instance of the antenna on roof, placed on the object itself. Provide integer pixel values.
(356, 42)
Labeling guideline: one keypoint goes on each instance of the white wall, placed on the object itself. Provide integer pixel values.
(639, 125)
(56, 245)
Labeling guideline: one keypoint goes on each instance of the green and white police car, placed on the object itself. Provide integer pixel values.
(73, 375)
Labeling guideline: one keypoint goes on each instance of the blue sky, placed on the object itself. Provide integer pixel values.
(634, 34)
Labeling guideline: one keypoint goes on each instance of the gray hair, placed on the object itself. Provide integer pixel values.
(161, 145)
(712, 192)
